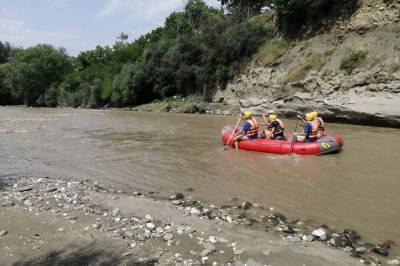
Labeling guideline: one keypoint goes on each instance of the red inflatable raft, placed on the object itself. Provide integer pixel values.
(324, 145)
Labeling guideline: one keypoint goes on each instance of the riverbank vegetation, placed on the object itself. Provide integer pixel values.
(197, 51)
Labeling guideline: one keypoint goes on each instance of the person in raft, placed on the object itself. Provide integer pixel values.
(310, 129)
(275, 127)
(249, 129)
(321, 124)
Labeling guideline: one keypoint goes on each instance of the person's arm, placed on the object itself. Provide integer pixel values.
(246, 126)
(302, 120)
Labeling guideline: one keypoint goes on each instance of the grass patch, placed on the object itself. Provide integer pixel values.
(353, 60)
(272, 50)
(314, 62)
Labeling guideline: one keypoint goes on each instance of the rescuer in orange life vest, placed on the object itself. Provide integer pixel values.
(275, 127)
(310, 129)
(249, 129)
(321, 124)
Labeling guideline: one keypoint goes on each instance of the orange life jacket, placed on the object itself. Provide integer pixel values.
(280, 129)
(314, 129)
(253, 130)
(321, 126)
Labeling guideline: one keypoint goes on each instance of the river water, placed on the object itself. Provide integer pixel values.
(358, 188)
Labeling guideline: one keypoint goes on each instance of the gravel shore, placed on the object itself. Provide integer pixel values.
(48, 221)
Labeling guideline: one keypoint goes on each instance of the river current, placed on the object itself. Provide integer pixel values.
(358, 188)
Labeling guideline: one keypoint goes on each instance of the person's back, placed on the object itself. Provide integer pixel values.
(277, 127)
(310, 128)
(249, 129)
(321, 124)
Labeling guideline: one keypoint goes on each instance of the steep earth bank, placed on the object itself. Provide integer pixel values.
(311, 74)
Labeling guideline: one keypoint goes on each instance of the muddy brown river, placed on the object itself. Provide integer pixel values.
(358, 188)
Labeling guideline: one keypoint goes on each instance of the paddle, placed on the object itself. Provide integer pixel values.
(233, 132)
(294, 137)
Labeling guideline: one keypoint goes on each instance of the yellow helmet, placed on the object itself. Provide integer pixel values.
(315, 114)
(272, 117)
(271, 112)
(247, 114)
(309, 117)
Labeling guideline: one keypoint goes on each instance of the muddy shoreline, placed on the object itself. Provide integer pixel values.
(62, 221)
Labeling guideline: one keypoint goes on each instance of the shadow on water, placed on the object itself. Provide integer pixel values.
(81, 256)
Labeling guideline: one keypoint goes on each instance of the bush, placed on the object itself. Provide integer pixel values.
(314, 62)
(272, 50)
(353, 60)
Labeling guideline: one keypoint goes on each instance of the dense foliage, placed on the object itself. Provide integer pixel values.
(302, 16)
(196, 51)
(242, 9)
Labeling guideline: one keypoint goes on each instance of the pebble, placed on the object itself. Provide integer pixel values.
(246, 205)
(237, 251)
(28, 203)
(24, 189)
(3, 233)
(177, 196)
(116, 212)
(97, 226)
(209, 246)
(393, 262)
(150, 226)
(351, 235)
(222, 240)
(382, 249)
(294, 239)
(127, 254)
(168, 237)
(212, 239)
(266, 252)
(320, 233)
(308, 238)
(195, 211)
(206, 252)
(361, 249)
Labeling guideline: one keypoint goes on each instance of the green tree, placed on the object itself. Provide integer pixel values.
(31, 72)
(122, 37)
(298, 16)
(5, 52)
(242, 9)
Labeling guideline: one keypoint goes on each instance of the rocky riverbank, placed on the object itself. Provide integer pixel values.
(51, 221)
(349, 74)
